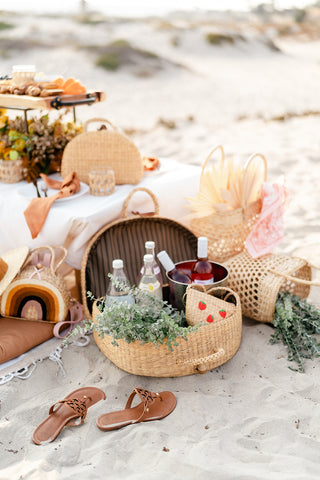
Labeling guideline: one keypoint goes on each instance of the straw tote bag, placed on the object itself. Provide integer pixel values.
(228, 231)
(258, 281)
(100, 149)
(38, 292)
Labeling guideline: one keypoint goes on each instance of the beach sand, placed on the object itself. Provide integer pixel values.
(252, 418)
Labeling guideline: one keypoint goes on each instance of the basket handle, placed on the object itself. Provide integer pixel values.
(94, 120)
(296, 279)
(51, 249)
(198, 286)
(200, 363)
(205, 163)
(244, 178)
(127, 200)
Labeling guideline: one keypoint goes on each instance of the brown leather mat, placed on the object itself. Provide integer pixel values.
(18, 336)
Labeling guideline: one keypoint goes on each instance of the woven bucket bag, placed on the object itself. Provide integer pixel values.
(258, 281)
(228, 231)
(109, 147)
(38, 292)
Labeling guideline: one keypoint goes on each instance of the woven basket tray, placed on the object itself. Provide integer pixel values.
(125, 238)
(104, 148)
(212, 345)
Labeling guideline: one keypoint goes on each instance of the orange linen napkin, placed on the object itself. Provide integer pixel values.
(38, 209)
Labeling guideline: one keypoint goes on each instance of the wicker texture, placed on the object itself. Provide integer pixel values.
(125, 238)
(258, 281)
(11, 171)
(228, 231)
(205, 305)
(38, 289)
(212, 345)
(103, 148)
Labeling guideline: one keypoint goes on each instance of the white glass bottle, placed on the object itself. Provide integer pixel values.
(150, 246)
(149, 282)
(114, 294)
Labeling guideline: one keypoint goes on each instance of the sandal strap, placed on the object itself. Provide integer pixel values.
(147, 398)
(78, 406)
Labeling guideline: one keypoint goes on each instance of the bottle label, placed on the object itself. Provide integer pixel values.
(149, 287)
(204, 282)
(156, 269)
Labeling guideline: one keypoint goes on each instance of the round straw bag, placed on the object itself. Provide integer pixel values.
(258, 281)
(212, 345)
(228, 231)
(38, 292)
(109, 147)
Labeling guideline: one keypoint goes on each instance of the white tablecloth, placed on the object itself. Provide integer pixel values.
(74, 221)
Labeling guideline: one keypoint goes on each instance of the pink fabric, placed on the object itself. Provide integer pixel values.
(268, 230)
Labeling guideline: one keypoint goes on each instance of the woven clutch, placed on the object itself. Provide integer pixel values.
(109, 147)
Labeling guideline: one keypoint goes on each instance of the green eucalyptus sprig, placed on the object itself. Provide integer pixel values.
(149, 319)
(296, 323)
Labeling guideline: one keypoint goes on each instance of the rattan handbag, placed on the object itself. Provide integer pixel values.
(209, 347)
(228, 231)
(38, 292)
(258, 281)
(109, 147)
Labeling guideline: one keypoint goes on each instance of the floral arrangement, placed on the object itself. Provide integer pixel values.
(41, 148)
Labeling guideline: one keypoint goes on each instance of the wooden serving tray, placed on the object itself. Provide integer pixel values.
(26, 102)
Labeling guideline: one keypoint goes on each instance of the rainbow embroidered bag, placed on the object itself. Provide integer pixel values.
(38, 292)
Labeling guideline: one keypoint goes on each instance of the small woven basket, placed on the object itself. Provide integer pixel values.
(209, 347)
(37, 285)
(258, 281)
(104, 148)
(11, 171)
(228, 231)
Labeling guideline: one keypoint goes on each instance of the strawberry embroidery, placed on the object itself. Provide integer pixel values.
(210, 318)
(202, 305)
(223, 313)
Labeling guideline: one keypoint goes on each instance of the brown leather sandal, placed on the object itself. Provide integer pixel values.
(65, 412)
(153, 406)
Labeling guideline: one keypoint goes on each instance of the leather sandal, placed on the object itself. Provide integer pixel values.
(153, 406)
(71, 411)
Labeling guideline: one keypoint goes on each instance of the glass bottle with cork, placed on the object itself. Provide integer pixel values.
(114, 293)
(202, 271)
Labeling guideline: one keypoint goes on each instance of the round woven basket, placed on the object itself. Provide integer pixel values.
(228, 231)
(11, 171)
(104, 148)
(258, 281)
(209, 347)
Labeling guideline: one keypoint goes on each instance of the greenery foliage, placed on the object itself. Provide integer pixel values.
(149, 319)
(296, 323)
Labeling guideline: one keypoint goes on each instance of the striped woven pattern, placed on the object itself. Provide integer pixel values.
(126, 239)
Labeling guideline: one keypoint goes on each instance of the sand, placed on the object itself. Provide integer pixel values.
(252, 418)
